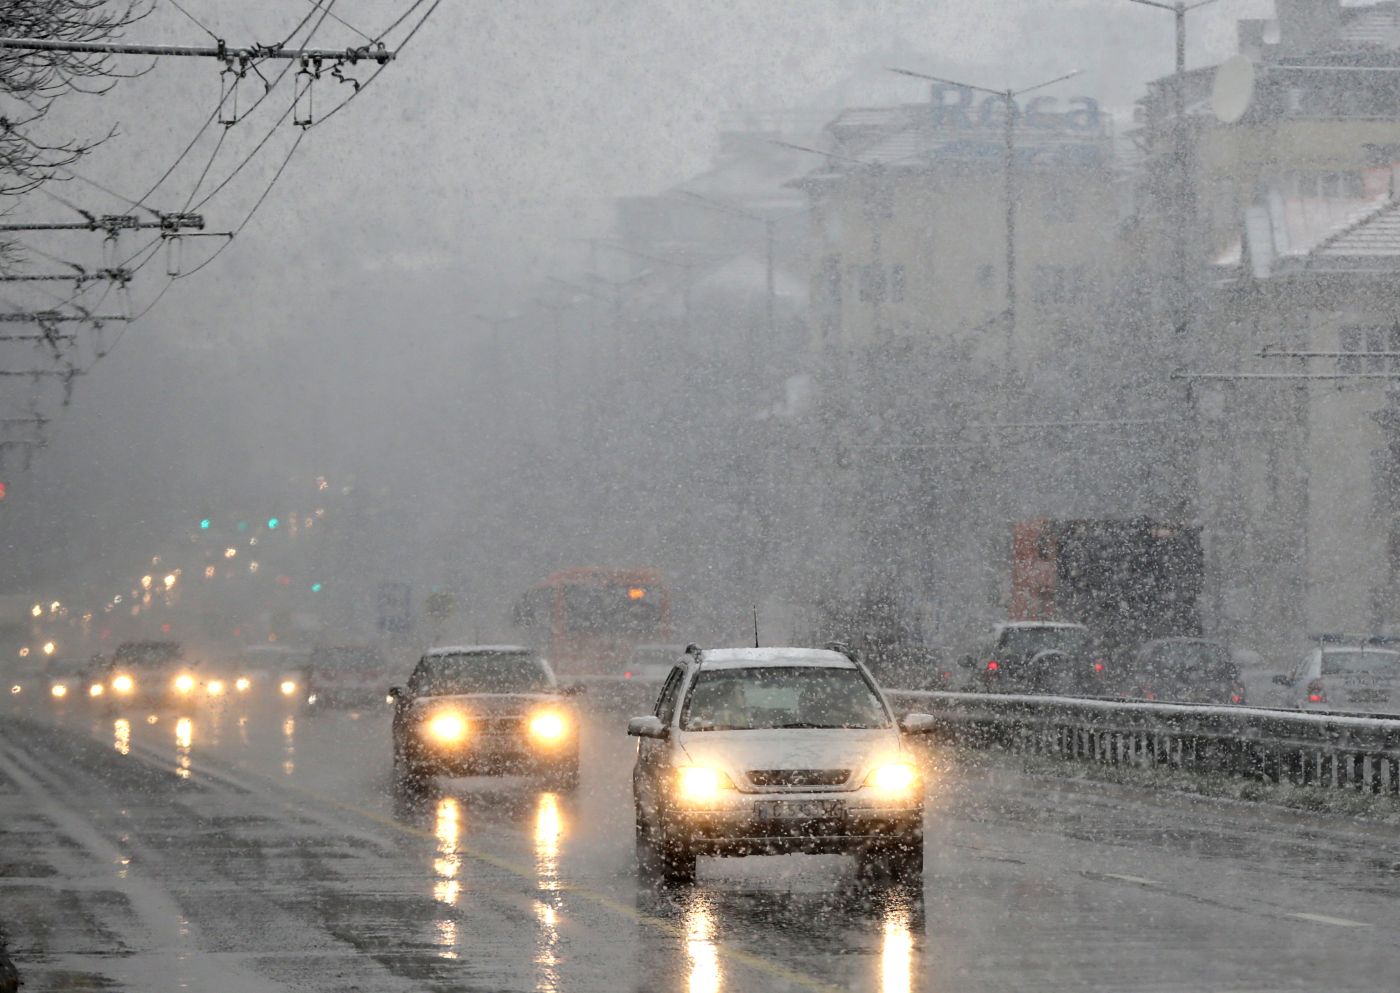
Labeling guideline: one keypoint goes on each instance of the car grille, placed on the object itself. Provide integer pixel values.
(799, 777)
(497, 725)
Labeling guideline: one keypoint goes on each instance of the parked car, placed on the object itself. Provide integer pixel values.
(1181, 670)
(1345, 678)
(1039, 657)
(765, 751)
(484, 710)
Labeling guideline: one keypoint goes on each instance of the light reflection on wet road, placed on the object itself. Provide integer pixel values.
(285, 845)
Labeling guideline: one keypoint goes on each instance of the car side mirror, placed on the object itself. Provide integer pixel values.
(918, 723)
(649, 726)
(396, 692)
(1282, 680)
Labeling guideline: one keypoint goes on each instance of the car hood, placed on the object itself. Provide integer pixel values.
(737, 752)
(488, 704)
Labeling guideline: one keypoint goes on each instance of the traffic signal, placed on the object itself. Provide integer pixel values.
(204, 524)
(315, 587)
(2, 491)
(272, 523)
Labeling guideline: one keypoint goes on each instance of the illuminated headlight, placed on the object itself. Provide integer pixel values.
(697, 786)
(242, 684)
(216, 687)
(16, 688)
(184, 682)
(59, 691)
(896, 781)
(95, 689)
(123, 684)
(448, 728)
(288, 687)
(548, 727)
(311, 698)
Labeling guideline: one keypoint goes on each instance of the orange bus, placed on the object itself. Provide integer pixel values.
(588, 620)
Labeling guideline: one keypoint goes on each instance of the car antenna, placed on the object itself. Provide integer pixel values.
(755, 625)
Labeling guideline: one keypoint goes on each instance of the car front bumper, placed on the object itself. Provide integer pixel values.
(751, 831)
(490, 755)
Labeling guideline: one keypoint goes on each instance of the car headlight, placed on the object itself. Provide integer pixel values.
(288, 687)
(184, 682)
(96, 689)
(123, 683)
(242, 684)
(894, 781)
(548, 727)
(58, 690)
(216, 687)
(447, 728)
(697, 786)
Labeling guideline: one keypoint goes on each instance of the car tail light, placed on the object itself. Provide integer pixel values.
(626, 675)
(1099, 667)
(1316, 693)
(1237, 695)
(992, 665)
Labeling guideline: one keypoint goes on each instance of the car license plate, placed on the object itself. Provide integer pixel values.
(774, 810)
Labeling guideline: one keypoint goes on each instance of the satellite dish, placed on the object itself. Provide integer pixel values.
(1234, 89)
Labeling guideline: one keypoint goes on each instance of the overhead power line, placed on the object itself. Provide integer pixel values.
(365, 53)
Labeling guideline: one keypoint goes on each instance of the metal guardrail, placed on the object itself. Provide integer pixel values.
(1306, 749)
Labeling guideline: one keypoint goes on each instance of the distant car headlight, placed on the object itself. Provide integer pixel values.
(16, 688)
(895, 781)
(123, 684)
(548, 727)
(59, 691)
(216, 687)
(184, 682)
(243, 684)
(288, 687)
(447, 728)
(698, 786)
(96, 689)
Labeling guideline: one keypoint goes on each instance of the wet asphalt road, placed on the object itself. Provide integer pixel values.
(258, 849)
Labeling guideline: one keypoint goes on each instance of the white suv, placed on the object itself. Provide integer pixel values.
(759, 751)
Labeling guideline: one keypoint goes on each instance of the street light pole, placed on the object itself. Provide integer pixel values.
(1010, 181)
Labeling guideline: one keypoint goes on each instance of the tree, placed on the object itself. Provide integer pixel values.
(31, 83)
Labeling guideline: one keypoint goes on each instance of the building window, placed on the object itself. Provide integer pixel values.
(872, 283)
(897, 284)
(1059, 207)
(1370, 340)
(831, 279)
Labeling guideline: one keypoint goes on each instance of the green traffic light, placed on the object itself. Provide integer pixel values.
(315, 587)
(242, 526)
(272, 523)
(204, 524)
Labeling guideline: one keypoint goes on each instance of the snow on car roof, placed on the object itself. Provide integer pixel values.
(742, 658)
(477, 650)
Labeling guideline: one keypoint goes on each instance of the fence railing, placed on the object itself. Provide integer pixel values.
(1307, 749)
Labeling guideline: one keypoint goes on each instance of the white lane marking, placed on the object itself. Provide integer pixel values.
(1131, 879)
(1334, 921)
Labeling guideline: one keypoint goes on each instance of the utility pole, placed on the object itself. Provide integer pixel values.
(1011, 189)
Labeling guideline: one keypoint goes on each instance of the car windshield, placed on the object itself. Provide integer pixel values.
(764, 697)
(1338, 663)
(1032, 640)
(1192, 657)
(479, 672)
